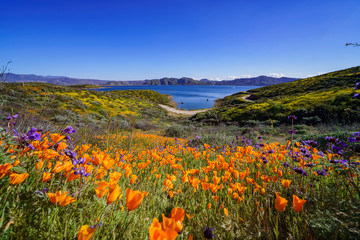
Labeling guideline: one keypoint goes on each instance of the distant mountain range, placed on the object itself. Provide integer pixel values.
(255, 81)
(61, 80)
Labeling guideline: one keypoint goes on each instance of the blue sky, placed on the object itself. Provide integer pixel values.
(146, 39)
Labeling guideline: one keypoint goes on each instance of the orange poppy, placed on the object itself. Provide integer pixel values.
(298, 203)
(168, 184)
(98, 158)
(46, 177)
(133, 179)
(285, 183)
(17, 162)
(67, 200)
(60, 166)
(61, 146)
(100, 173)
(61, 198)
(205, 186)
(39, 165)
(178, 214)
(5, 168)
(16, 178)
(226, 211)
(280, 203)
(72, 177)
(85, 232)
(84, 148)
(114, 194)
(102, 189)
(216, 180)
(168, 222)
(56, 137)
(133, 199)
(162, 231)
(57, 197)
(108, 163)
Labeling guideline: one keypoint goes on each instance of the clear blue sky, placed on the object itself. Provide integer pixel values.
(145, 39)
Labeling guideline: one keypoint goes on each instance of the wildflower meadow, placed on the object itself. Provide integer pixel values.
(137, 185)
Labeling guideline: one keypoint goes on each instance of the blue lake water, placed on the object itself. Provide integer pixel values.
(189, 96)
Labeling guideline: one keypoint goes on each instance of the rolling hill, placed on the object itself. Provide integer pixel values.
(324, 98)
(63, 105)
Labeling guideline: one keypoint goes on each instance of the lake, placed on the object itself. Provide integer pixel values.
(189, 97)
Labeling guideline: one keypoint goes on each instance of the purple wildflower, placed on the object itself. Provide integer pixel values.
(321, 172)
(74, 162)
(81, 160)
(70, 154)
(356, 85)
(342, 144)
(300, 171)
(286, 164)
(310, 142)
(208, 233)
(331, 139)
(33, 135)
(292, 117)
(309, 165)
(337, 149)
(69, 130)
(344, 162)
(42, 192)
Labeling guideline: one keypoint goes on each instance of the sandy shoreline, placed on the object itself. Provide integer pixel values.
(182, 112)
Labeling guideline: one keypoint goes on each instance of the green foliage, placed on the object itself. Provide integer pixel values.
(71, 105)
(325, 98)
(175, 131)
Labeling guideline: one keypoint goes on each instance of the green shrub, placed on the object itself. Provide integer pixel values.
(175, 131)
(144, 125)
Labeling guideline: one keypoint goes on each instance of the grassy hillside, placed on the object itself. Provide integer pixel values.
(325, 98)
(339, 79)
(68, 105)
